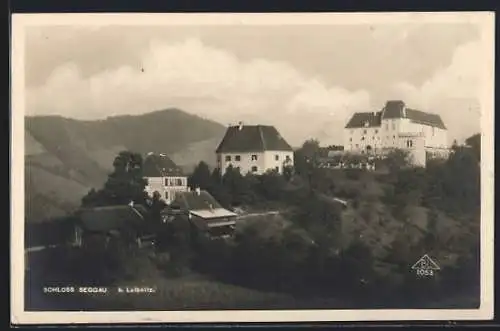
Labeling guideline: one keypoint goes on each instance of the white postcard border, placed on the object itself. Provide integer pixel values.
(19, 21)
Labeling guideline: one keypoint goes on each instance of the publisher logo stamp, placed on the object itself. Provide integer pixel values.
(425, 266)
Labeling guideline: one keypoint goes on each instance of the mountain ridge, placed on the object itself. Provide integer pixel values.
(65, 157)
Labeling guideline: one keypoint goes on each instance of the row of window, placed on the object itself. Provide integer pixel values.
(254, 157)
(255, 169)
(409, 143)
(373, 138)
(174, 182)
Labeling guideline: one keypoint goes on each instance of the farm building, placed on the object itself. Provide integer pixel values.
(204, 212)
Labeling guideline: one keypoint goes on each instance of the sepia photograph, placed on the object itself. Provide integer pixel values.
(252, 167)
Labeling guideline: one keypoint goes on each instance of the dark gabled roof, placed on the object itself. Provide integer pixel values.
(394, 109)
(358, 120)
(252, 138)
(160, 165)
(104, 219)
(192, 201)
(421, 117)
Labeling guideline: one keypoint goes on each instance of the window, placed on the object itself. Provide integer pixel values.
(376, 131)
(364, 131)
(276, 157)
(373, 138)
(409, 143)
(166, 195)
(254, 157)
(166, 181)
(228, 158)
(237, 158)
(357, 145)
(362, 138)
(277, 169)
(393, 137)
(287, 158)
(178, 182)
(393, 126)
(350, 139)
(254, 169)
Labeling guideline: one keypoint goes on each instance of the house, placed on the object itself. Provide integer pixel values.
(204, 212)
(397, 126)
(127, 224)
(254, 149)
(163, 176)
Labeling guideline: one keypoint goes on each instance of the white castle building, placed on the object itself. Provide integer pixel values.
(397, 126)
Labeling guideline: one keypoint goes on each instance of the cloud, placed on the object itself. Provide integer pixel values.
(204, 80)
(453, 91)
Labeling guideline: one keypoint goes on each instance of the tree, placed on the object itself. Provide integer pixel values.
(270, 185)
(397, 159)
(200, 177)
(234, 183)
(218, 190)
(321, 217)
(307, 156)
(157, 205)
(124, 184)
(474, 142)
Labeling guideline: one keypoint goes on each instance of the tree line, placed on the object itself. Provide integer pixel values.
(318, 246)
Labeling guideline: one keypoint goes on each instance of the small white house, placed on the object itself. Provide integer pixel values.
(163, 176)
(254, 149)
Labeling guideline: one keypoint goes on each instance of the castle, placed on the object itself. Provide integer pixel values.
(421, 133)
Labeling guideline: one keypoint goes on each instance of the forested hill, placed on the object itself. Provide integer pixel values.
(66, 157)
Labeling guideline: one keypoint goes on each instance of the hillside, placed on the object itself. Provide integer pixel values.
(65, 157)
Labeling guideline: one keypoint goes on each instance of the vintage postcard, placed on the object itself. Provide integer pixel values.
(252, 167)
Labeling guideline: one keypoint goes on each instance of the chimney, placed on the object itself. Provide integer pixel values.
(198, 191)
(240, 125)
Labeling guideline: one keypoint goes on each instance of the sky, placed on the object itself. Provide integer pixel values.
(305, 80)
